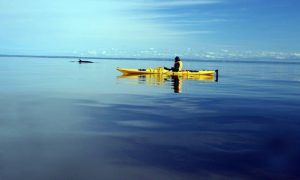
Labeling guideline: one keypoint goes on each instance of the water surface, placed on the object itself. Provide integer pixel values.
(64, 120)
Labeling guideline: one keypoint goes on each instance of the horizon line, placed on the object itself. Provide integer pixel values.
(77, 57)
(257, 59)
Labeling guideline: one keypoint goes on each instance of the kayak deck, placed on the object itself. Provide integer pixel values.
(161, 70)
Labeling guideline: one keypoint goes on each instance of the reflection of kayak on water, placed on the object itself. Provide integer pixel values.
(164, 79)
(161, 70)
(161, 77)
(156, 80)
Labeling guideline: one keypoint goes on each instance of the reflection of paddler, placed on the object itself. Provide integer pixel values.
(177, 84)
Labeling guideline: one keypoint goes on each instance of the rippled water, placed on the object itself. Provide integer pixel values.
(64, 120)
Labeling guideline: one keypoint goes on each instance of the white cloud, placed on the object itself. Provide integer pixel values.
(296, 54)
(222, 54)
(178, 3)
(92, 52)
(188, 21)
(190, 32)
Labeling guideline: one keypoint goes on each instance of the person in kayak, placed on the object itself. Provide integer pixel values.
(177, 65)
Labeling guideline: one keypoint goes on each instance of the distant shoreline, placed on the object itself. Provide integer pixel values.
(237, 60)
(88, 57)
(74, 57)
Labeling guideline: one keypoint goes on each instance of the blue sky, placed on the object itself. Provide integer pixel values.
(153, 28)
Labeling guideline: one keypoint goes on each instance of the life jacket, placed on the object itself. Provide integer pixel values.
(180, 65)
(177, 66)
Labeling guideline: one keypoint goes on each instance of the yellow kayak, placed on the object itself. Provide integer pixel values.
(161, 70)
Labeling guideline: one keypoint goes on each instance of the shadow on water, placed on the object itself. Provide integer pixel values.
(174, 81)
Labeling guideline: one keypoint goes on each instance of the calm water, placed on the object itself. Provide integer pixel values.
(64, 120)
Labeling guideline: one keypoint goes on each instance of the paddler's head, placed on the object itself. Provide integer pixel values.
(177, 59)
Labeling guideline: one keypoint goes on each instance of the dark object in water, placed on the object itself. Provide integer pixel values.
(217, 75)
(81, 61)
